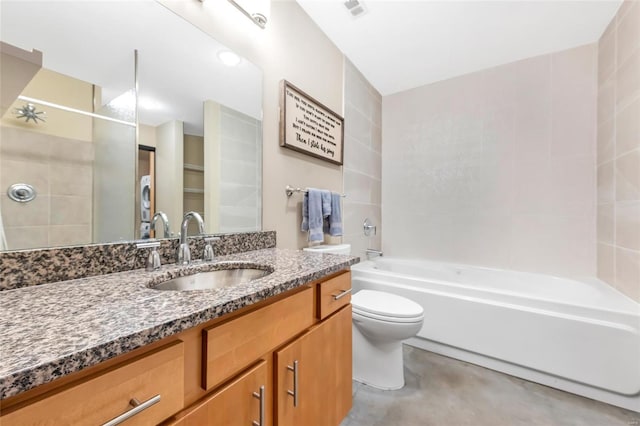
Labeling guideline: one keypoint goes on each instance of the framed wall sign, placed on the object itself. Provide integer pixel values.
(308, 126)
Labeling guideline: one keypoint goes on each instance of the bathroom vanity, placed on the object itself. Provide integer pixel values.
(275, 351)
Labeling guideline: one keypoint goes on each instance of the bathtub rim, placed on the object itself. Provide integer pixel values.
(628, 306)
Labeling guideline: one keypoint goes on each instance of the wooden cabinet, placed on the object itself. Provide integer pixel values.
(333, 294)
(246, 368)
(231, 346)
(245, 401)
(154, 380)
(313, 375)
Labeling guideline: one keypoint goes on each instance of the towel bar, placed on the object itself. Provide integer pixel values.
(289, 190)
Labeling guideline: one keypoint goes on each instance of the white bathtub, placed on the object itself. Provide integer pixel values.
(579, 336)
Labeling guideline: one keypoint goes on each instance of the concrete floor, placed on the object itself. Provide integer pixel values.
(448, 392)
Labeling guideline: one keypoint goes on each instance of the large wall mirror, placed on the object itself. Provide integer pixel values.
(102, 154)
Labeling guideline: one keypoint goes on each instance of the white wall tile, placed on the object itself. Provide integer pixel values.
(606, 140)
(628, 33)
(33, 213)
(607, 53)
(627, 226)
(606, 224)
(628, 272)
(627, 129)
(362, 169)
(605, 183)
(618, 151)
(628, 80)
(606, 263)
(482, 168)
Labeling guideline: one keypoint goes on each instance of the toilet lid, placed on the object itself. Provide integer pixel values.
(384, 304)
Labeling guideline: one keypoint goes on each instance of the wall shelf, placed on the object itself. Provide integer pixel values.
(194, 191)
(193, 167)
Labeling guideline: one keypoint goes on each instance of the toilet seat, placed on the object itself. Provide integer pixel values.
(384, 306)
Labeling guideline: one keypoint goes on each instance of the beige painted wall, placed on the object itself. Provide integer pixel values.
(147, 135)
(61, 89)
(292, 48)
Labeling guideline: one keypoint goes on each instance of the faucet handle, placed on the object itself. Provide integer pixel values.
(153, 260)
(184, 254)
(369, 227)
(208, 254)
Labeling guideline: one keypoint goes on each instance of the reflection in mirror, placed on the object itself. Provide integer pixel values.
(199, 132)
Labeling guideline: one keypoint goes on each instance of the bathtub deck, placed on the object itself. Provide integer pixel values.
(444, 391)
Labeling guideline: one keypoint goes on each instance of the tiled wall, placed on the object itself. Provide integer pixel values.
(240, 172)
(60, 169)
(619, 151)
(362, 161)
(497, 167)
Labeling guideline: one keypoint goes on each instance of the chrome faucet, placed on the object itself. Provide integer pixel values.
(373, 252)
(183, 257)
(165, 221)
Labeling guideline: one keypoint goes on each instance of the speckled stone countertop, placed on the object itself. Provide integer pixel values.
(52, 330)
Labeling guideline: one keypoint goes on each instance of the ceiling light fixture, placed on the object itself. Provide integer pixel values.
(256, 10)
(229, 58)
(74, 110)
(28, 112)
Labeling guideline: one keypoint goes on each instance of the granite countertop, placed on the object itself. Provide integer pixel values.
(51, 330)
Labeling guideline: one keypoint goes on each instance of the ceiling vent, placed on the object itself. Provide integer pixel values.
(355, 7)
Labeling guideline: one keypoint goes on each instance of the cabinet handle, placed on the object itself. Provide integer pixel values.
(260, 396)
(341, 294)
(137, 408)
(294, 393)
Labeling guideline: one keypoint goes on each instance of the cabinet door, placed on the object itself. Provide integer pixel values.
(313, 375)
(238, 403)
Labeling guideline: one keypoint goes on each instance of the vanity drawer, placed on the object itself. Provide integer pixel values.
(229, 347)
(333, 294)
(101, 398)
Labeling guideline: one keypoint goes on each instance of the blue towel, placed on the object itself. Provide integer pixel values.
(326, 202)
(314, 214)
(305, 213)
(335, 219)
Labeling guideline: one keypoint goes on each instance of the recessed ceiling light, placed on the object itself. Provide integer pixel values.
(229, 58)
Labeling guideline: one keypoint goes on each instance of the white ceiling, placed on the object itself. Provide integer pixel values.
(399, 45)
(94, 41)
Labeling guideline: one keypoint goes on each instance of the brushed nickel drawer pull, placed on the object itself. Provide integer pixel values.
(294, 393)
(341, 294)
(260, 396)
(137, 408)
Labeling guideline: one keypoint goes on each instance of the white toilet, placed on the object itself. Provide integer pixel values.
(381, 321)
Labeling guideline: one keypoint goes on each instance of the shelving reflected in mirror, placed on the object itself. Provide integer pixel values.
(104, 158)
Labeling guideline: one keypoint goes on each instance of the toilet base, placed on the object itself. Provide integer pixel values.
(377, 363)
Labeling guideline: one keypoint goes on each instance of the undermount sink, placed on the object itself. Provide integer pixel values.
(213, 279)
